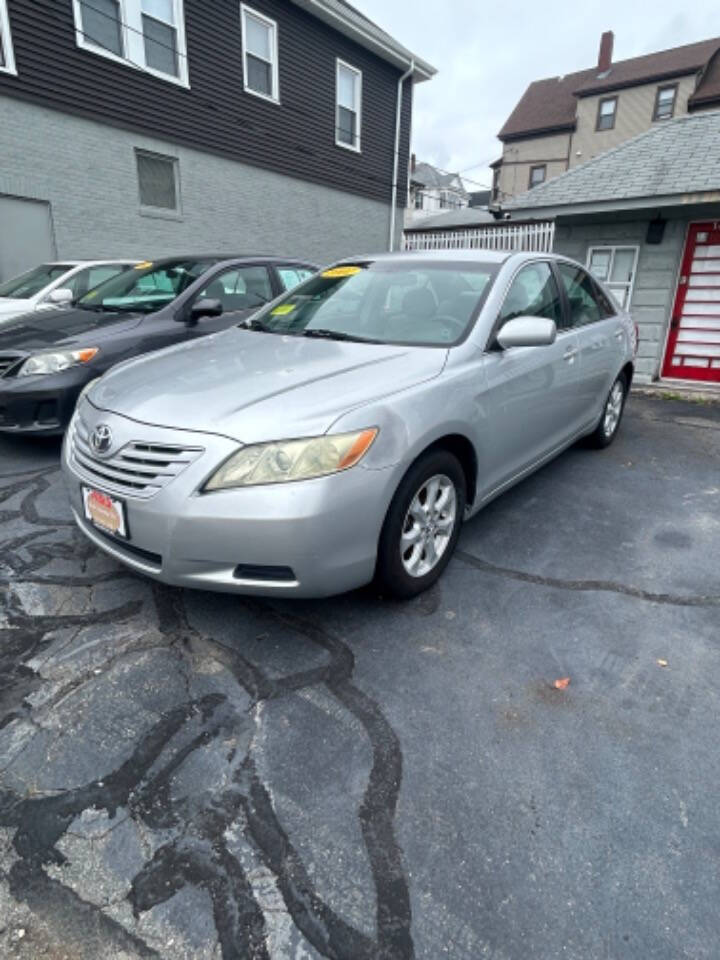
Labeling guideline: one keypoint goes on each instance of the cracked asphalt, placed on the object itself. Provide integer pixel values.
(189, 775)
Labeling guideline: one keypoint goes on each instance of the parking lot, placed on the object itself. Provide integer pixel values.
(190, 775)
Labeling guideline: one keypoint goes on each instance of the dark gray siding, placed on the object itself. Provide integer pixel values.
(296, 138)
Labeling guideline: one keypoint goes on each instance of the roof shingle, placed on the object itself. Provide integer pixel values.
(677, 158)
(551, 104)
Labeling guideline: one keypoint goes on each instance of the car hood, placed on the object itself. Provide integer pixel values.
(66, 328)
(253, 386)
(10, 306)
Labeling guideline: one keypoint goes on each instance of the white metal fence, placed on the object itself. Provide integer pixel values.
(503, 236)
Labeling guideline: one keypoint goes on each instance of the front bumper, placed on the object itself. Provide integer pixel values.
(311, 538)
(41, 405)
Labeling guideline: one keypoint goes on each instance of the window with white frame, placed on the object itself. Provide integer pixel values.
(149, 34)
(7, 60)
(616, 267)
(260, 54)
(348, 99)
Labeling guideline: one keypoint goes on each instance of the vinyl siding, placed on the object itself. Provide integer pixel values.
(520, 155)
(635, 109)
(296, 137)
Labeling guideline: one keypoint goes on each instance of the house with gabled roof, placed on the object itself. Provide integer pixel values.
(563, 122)
(645, 219)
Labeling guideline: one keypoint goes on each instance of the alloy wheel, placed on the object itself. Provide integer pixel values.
(428, 525)
(613, 409)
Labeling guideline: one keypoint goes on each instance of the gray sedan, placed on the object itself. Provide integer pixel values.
(347, 429)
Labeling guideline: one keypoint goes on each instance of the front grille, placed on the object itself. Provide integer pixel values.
(8, 361)
(139, 469)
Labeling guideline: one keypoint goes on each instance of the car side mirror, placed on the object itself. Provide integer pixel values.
(205, 307)
(527, 332)
(62, 295)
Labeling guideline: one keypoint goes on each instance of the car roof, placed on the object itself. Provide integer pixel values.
(89, 263)
(448, 256)
(225, 258)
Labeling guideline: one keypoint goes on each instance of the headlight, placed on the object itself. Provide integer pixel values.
(55, 362)
(292, 460)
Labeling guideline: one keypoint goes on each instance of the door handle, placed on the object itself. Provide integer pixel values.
(619, 335)
(570, 354)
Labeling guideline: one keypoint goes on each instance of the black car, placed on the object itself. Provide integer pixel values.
(47, 359)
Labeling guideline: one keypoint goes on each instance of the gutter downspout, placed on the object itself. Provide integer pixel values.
(396, 158)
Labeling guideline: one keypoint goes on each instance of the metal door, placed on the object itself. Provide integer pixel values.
(26, 235)
(693, 347)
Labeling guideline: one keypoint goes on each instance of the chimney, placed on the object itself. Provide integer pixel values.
(606, 51)
(412, 163)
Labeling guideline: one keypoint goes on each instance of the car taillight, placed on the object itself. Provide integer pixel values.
(637, 338)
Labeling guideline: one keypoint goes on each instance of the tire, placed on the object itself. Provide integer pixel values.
(436, 473)
(609, 423)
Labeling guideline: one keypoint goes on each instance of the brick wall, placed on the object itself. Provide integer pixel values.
(655, 280)
(87, 172)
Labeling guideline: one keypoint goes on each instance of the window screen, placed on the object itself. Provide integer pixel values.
(157, 180)
(101, 24)
(160, 35)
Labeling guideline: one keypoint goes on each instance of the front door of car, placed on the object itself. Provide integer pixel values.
(601, 337)
(532, 401)
(241, 290)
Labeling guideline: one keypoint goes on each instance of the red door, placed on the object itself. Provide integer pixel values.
(693, 348)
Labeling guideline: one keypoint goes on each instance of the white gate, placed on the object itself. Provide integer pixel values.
(503, 236)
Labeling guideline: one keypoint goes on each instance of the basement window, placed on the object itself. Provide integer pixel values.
(7, 60)
(260, 54)
(146, 34)
(348, 98)
(158, 184)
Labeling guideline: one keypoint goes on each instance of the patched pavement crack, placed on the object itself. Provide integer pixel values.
(586, 586)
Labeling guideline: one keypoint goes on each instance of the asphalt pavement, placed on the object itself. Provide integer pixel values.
(521, 763)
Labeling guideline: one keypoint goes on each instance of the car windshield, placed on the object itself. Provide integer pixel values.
(32, 282)
(415, 302)
(145, 288)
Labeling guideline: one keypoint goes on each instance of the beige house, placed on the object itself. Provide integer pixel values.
(562, 122)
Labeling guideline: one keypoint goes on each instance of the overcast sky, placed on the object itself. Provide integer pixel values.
(486, 54)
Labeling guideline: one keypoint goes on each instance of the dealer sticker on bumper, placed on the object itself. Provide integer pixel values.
(104, 512)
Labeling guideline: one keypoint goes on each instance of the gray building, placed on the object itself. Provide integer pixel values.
(645, 218)
(124, 134)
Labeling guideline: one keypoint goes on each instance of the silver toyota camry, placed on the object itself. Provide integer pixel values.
(346, 430)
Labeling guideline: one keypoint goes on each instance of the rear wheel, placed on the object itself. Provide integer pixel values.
(607, 428)
(422, 525)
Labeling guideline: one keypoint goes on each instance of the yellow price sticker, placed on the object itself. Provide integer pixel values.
(144, 265)
(341, 272)
(283, 309)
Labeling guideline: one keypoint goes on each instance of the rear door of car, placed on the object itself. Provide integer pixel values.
(601, 336)
(533, 392)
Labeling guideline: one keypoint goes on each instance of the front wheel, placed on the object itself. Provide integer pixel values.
(422, 525)
(607, 428)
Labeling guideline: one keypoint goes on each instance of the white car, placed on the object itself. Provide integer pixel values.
(55, 285)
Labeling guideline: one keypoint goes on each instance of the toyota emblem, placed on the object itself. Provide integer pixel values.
(101, 438)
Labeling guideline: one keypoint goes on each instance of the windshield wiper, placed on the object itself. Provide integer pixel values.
(323, 334)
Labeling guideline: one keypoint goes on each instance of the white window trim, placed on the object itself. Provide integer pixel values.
(356, 148)
(163, 213)
(246, 11)
(7, 40)
(183, 80)
(610, 284)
